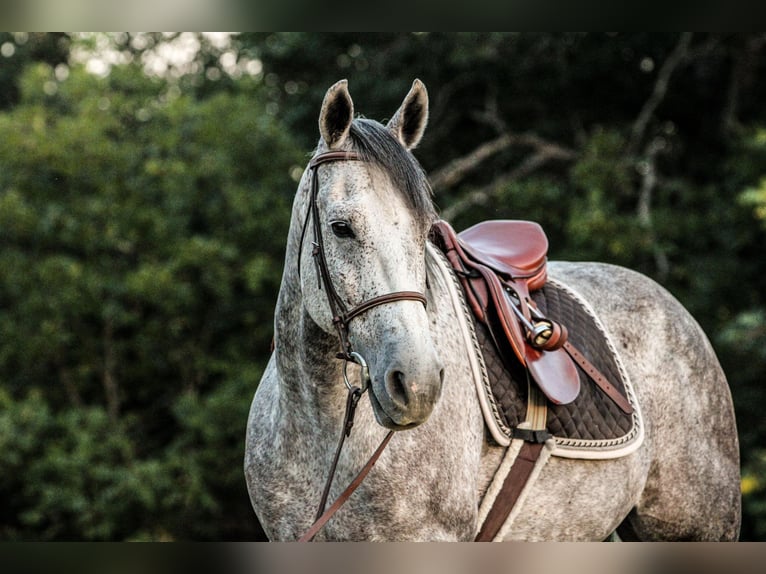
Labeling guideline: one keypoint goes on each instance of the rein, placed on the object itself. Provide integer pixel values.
(341, 317)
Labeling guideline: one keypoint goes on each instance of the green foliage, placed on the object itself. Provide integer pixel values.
(141, 240)
(756, 197)
(71, 473)
(77, 475)
(18, 50)
(754, 495)
(601, 223)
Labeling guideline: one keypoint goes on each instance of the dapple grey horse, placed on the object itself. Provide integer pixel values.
(374, 216)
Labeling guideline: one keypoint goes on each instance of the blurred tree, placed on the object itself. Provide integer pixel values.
(19, 49)
(141, 234)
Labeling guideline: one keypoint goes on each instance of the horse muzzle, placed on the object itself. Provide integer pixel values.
(404, 395)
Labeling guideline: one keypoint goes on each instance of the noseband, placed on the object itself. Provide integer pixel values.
(341, 317)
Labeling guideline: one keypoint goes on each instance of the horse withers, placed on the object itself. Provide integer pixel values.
(365, 291)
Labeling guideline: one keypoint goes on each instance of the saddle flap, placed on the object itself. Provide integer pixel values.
(511, 247)
(553, 371)
(555, 374)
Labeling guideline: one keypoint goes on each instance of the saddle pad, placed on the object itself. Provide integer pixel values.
(591, 426)
(504, 405)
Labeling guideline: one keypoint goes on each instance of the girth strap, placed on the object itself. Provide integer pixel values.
(534, 434)
(514, 484)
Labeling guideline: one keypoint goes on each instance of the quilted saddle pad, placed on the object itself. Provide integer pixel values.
(591, 426)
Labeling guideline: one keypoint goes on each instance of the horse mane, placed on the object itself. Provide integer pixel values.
(376, 144)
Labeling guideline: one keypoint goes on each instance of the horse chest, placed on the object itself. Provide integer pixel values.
(413, 493)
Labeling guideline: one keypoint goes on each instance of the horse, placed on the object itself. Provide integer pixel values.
(359, 239)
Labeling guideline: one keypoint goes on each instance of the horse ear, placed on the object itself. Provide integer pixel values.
(336, 115)
(409, 121)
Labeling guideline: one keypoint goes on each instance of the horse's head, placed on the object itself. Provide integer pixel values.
(363, 272)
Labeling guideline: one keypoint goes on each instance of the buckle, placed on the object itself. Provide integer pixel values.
(529, 435)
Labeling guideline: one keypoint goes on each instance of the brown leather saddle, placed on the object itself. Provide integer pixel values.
(499, 263)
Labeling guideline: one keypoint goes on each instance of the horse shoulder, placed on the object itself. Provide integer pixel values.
(259, 426)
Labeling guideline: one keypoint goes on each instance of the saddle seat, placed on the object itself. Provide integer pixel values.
(511, 247)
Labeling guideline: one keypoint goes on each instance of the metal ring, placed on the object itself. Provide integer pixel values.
(541, 334)
(364, 375)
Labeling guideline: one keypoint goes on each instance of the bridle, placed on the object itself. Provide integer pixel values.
(341, 317)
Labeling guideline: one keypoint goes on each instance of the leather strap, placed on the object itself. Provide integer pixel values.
(352, 400)
(333, 156)
(603, 383)
(341, 318)
(322, 520)
(340, 313)
(382, 300)
(518, 475)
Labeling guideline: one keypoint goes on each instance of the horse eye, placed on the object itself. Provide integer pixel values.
(342, 229)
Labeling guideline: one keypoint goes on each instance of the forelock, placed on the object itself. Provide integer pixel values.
(376, 144)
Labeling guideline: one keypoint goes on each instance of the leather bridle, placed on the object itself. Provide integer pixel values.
(341, 317)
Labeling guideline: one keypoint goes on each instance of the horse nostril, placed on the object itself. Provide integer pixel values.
(395, 385)
(441, 376)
